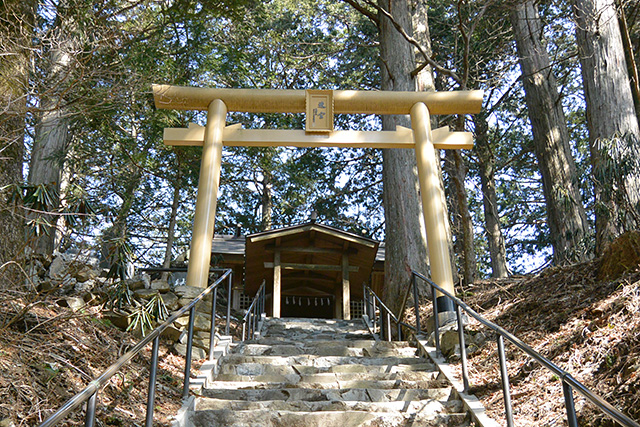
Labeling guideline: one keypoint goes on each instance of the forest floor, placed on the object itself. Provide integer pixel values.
(582, 322)
(49, 353)
(587, 325)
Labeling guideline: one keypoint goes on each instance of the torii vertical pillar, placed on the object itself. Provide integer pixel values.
(206, 201)
(432, 209)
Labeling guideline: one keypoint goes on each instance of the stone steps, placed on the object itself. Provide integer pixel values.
(313, 372)
(321, 361)
(415, 406)
(253, 368)
(273, 418)
(319, 395)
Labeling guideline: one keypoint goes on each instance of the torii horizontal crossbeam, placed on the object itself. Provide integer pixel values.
(293, 101)
(234, 135)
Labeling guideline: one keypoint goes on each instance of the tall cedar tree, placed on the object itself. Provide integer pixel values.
(565, 212)
(405, 232)
(614, 134)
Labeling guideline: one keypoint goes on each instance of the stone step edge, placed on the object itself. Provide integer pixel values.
(203, 376)
(471, 403)
(202, 400)
(255, 412)
(338, 384)
(372, 361)
(207, 372)
(452, 396)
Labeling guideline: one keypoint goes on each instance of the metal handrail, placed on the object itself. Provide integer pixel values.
(568, 382)
(90, 392)
(254, 313)
(379, 314)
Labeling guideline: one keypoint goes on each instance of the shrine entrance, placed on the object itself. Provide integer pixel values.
(320, 107)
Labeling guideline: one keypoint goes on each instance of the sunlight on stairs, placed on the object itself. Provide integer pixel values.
(325, 373)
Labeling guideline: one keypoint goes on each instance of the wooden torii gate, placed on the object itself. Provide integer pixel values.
(320, 106)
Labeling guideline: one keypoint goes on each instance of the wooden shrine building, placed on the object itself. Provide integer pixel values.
(310, 269)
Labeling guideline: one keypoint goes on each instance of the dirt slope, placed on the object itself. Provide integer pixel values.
(53, 352)
(587, 325)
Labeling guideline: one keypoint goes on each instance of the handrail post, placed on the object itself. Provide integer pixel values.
(90, 417)
(463, 350)
(187, 364)
(388, 326)
(229, 286)
(244, 327)
(569, 405)
(373, 315)
(436, 321)
(399, 331)
(255, 322)
(364, 299)
(212, 332)
(416, 304)
(505, 382)
(153, 371)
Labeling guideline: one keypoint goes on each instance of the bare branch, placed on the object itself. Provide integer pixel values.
(366, 12)
(428, 60)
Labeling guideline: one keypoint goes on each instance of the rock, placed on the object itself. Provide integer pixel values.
(146, 279)
(45, 286)
(58, 268)
(85, 274)
(202, 322)
(46, 260)
(449, 343)
(172, 333)
(118, 319)
(622, 255)
(202, 343)
(74, 303)
(201, 307)
(136, 283)
(67, 285)
(197, 335)
(89, 297)
(85, 286)
(160, 285)
(145, 293)
(7, 422)
(170, 301)
(189, 292)
(196, 352)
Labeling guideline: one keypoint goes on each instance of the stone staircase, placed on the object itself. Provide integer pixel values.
(325, 373)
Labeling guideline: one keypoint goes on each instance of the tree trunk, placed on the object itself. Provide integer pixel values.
(16, 29)
(611, 118)
(405, 232)
(565, 212)
(465, 224)
(267, 200)
(52, 130)
(632, 65)
(486, 166)
(171, 231)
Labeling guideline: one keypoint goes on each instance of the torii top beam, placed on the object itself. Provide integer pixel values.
(293, 101)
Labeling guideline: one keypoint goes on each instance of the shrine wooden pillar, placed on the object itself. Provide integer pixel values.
(277, 283)
(346, 292)
(206, 201)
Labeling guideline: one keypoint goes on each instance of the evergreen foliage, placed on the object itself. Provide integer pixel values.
(118, 175)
